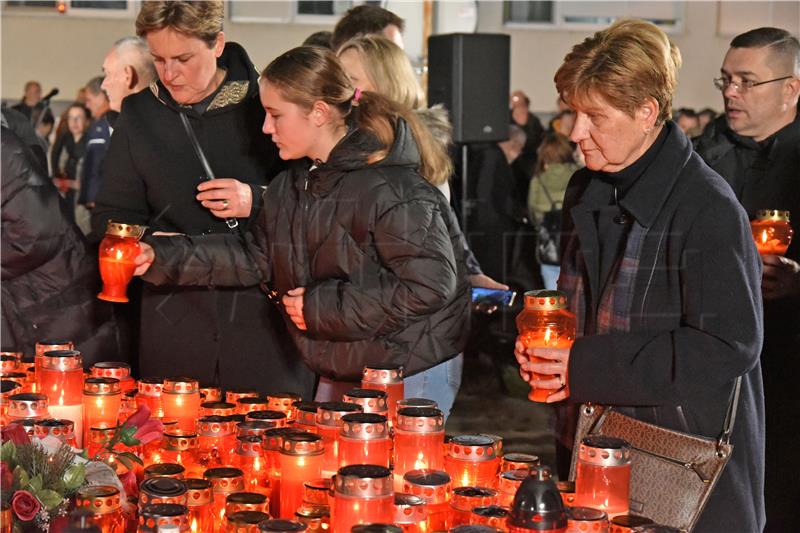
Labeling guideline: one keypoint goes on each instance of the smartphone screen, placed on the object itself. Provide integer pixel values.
(494, 296)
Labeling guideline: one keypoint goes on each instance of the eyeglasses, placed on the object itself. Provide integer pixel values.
(744, 85)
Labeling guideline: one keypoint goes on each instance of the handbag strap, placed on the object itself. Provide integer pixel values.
(232, 223)
(730, 416)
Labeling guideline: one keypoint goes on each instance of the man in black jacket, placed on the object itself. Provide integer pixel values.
(755, 146)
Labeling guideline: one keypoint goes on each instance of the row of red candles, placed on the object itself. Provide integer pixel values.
(278, 444)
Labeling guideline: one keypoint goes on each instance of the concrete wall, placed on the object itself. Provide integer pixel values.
(66, 51)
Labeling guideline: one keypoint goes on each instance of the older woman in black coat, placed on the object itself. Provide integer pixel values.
(659, 267)
(231, 337)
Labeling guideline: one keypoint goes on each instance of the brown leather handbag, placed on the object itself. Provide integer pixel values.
(672, 473)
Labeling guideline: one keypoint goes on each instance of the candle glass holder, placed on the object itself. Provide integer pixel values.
(199, 501)
(246, 501)
(603, 474)
(101, 402)
(433, 486)
(465, 499)
(216, 441)
(234, 395)
(545, 322)
(149, 394)
(27, 406)
(42, 347)
(63, 430)
(182, 448)
(210, 393)
(490, 515)
(772, 231)
(104, 504)
(284, 402)
(171, 470)
(362, 495)
(244, 521)
(586, 519)
(277, 525)
(116, 370)
(518, 461)
(249, 458)
(305, 416)
(181, 400)
(162, 489)
(272, 441)
(567, 490)
(472, 461)
(224, 482)
(370, 400)
(118, 249)
(316, 518)
(388, 378)
(271, 418)
(329, 420)
(629, 523)
(253, 428)
(7, 389)
(300, 461)
(249, 404)
(508, 485)
(364, 440)
(410, 513)
(418, 441)
(217, 409)
(161, 517)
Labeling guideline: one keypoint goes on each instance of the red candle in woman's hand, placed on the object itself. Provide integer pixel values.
(118, 249)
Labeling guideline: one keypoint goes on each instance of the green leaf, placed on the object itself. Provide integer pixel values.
(126, 436)
(131, 456)
(75, 476)
(49, 498)
(36, 483)
(8, 452)
(21, 478)
(126, 462)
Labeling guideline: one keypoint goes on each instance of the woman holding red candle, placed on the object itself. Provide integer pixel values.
(361, 248)
(153, 177)
(659, 268)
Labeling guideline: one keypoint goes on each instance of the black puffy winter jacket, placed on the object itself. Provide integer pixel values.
(49, 280)
(375, 245)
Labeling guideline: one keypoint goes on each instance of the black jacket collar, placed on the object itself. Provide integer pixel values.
(647, 195)
(352, 153)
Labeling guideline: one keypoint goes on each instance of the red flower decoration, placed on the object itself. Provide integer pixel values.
(130, 484)
(6, 475)
(15, 433)
(25, 505)
(147, 429)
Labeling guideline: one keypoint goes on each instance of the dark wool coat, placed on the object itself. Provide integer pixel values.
(232, 337)
(49, 280)
(376, 247)
(693, 313)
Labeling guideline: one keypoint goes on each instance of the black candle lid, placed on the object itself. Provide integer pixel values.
(537, 504)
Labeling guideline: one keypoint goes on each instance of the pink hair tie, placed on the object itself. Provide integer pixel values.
(356, 96)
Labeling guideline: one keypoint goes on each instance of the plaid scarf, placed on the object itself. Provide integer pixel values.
(613, 313)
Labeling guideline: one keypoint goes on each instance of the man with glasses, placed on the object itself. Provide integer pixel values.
(755, 146)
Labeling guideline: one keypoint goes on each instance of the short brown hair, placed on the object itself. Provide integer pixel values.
(363, 20)
(626, 64)
(196, 19)
(554, 149)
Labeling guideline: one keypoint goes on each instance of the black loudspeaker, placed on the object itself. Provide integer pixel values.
(469, 74)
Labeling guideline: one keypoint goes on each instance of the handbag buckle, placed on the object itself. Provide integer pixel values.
(232, 223)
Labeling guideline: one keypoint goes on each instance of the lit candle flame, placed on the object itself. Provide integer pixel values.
(118, 254)
(764, 237)
(420, 463)
(547, 336)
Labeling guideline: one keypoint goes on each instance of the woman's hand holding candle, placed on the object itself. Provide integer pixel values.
(145, 258)
(552, 361)
(781, 277)
(293, 301)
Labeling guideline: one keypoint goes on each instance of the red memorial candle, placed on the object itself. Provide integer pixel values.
(300, 461)
(118, 249)
(103, 501)
(545, 322)
(433, 486)
(388, 378)
(362, 495)
(329, 420)
(418, 441)
(472, 461)
(772, 232)
(603, 474)
(364, 440)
